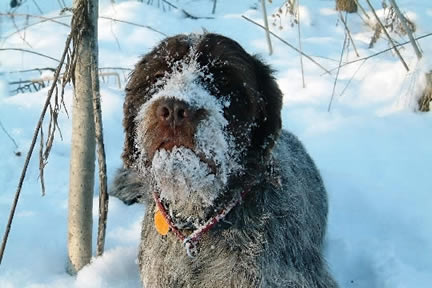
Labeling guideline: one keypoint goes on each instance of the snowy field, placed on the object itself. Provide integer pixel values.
(373, 150)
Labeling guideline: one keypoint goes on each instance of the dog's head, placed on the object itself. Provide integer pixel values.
(198, 111)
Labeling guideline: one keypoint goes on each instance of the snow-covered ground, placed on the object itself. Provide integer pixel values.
(374, 152)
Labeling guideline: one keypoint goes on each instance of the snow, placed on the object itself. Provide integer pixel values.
(373, 151)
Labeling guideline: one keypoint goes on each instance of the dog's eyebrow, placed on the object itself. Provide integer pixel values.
(159, 73)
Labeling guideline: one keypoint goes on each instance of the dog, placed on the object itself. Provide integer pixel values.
(232, 199)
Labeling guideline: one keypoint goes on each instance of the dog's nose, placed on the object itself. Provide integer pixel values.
(174, 112)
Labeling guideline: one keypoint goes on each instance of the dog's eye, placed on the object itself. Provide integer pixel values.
(159, 74)
(200, 114)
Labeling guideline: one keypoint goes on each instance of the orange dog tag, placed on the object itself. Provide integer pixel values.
(161, 223)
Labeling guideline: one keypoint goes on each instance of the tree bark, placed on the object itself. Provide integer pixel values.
(82, 163)
(349, 6)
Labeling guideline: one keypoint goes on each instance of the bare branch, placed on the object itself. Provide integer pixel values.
(407, 29)
(337, 72)
(362, 9)
(134, 24)
(101, 157)
(51, 19)
(289, 45)
(41, 162)
(388, 36)
(30, 152)
(381, 52)
(267, 30)
(187, 14)
(214, 6)
(29, 51)
(348, 31)
(8, 135)
(300, 43)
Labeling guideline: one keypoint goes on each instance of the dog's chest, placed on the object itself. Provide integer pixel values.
(164, 262)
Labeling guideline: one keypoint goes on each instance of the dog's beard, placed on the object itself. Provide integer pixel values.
(183, 176)
(185, 182)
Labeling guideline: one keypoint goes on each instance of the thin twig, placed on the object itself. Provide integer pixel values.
(214, 6)
(407, 29)
(348, 31)
(350, 80)
(116, 68)
(187, 14)
(101, 157)
(289, 45)
(362, 9)
(52, 19)
(381, 52)
(134, 24)
(37, 6)
(337, 72)
(44, 19)
(41, 162)
(29, 51)
(267, 29)
(300, 43)
(30, 152)
(19, 34)
(388, 36)
(8, 135)
(34, 69)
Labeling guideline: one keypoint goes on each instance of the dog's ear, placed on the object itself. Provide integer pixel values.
(270, 105)
(130, 109)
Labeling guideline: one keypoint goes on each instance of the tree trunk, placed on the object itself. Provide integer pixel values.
(425, 101)
(349, 6)
(82, 163)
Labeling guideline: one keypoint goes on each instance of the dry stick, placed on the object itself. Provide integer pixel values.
(267, 30)
(30, 152)
(352, 77)
(41, 162)
(348, 31)
(388, 36)
(116, 68)
(407, 29)
(37, 6)
(134, 24)
(101, 158)
(337, 72)
(362, 9)
(52, 19)
(8, 135)
(300, 43)
(29, 51)
(32, 70)
(381, 52)
(18, 30)
(214, 6)
(187, 14)
(289, 45)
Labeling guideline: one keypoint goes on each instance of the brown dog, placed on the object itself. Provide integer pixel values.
(232, 200)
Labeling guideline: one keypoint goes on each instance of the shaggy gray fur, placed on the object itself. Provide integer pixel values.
(273, 239)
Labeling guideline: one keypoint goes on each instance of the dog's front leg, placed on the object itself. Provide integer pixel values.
(129, 187)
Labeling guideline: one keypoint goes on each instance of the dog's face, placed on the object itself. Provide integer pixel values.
(197, 109)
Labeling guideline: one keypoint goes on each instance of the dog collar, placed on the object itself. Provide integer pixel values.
(163, 223)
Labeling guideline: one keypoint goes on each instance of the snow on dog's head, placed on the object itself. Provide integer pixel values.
(198, 112)
(182, 132)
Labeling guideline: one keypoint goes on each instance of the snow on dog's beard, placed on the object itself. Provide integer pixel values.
(186, 182)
